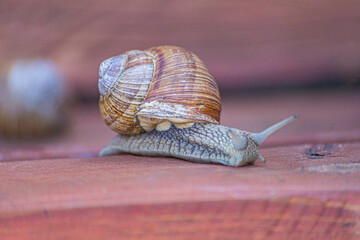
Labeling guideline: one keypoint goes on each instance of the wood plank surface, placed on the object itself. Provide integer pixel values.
(309, 188)
(295, 195)
(243, 43)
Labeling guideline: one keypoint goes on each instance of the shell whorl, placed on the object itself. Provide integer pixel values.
(109, 71)
(123, 85)
(141, 89)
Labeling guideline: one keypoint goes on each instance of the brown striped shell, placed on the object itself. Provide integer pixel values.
(144, 90)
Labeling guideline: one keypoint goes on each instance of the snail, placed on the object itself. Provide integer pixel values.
(32, 96)
(163, 102)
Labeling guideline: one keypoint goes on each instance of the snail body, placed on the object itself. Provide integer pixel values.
(202, 142)
(172, 109)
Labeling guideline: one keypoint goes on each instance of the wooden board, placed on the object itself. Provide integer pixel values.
(309, 188)
(243, 43)
(295, 194)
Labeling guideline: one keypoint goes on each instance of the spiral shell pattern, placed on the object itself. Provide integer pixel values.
(123, 87)
(139, 90)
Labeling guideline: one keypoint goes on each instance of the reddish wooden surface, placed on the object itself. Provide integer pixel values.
(309, 188)
(243, 43)
(292, 196)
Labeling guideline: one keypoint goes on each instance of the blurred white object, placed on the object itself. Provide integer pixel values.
(32, 100)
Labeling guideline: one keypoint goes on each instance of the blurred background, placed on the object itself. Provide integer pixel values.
(245, 44)
(250, 47)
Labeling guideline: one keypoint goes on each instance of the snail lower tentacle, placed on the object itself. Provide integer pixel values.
(203, 142)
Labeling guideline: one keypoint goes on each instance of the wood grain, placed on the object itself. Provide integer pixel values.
(245, 44)
(294, 218)
(292, 195)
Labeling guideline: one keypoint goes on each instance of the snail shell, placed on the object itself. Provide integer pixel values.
(144, 90)
(32, 99)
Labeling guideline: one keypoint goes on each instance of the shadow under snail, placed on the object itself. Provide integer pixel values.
(163, 102)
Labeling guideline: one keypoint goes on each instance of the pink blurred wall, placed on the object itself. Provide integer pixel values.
(243, 43)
